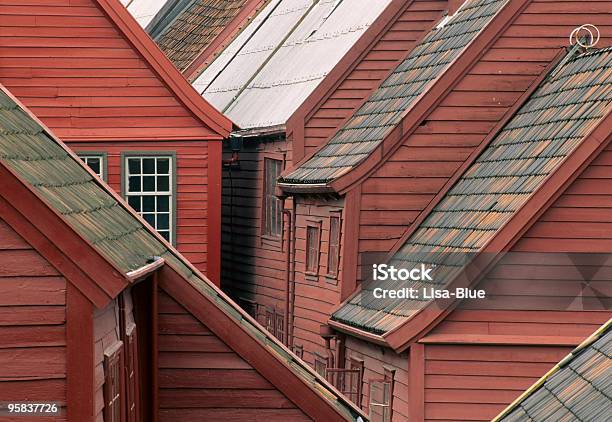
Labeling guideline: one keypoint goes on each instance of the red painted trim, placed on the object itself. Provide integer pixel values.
(363, 46)
(508, 115)
(436, 92)
(416, 386)
(80, 356)
(81, 138)
(165, 69)
(553, 187)
(224, 38)
(350, 245)
(257, 352)
(495, 340)
(213, 264)
(55, 240)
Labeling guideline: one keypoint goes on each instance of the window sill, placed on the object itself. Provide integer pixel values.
(311, 276)
(331, 279)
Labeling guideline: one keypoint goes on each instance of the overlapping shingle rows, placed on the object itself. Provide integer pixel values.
(542, 134)
(384, 109)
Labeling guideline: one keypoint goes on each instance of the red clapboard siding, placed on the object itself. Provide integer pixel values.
(32, 324)
(418, 169)
(201, 377)
(71, 54)
(365, 68)
(192, 188)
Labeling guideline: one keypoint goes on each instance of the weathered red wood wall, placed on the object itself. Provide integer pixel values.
(253, 268)
(32, 325)
(106, 335)
(315, 295)
(395, 194)
(69, 63)
(192, 194)
(375, 359)
(201, 378)
(331, 103)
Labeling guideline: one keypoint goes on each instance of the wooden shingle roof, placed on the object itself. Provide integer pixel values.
(369, 125)
(544, 132)
(61, 181)
(577, 389)
(187, 29)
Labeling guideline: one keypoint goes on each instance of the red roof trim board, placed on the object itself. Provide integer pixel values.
(295, 124)
(165, 69)
(421, 323)
(206, 56)
(421, 108)
(39, 223)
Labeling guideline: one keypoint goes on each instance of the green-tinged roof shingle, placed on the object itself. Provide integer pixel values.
(385, 108)
(574, 98)
(62, 181)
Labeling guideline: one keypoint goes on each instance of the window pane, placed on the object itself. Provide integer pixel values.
(148, 165)
(148, 184)
(163, 204)
(94, 164)
(134, 165)
(163, 183)
(134, 185)
(163, 221)
(150, 218)
(163, 166)
(148, 203)
(134, 202)
(165, 235)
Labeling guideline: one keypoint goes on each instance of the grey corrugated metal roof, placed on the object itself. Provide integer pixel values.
(143, 10)
(577, 389)
(61, 180)
(532, 145)
(278, 60)
(384, 109)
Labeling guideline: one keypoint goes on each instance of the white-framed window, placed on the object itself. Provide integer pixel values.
(149, 189)
(95, 162)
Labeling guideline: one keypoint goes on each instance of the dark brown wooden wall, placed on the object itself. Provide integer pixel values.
(201, 378)
(315, 296)
(252, 268)
(32, 325)
(401, 188)
(69, 63)
(332, 106)
(192, 188)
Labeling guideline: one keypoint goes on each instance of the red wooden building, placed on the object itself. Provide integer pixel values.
(262, 81)
(193, 33)
(92, 75)
(384, 172)
(102, 318)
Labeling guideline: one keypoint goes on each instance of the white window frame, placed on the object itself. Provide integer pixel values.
(170, 193)
(85, 157)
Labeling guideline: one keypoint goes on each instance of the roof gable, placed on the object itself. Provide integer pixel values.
(272, 66)
(529, 150)
(89, 208)
(387, 105)
(578, 388)
(90, 72)
(189, 29)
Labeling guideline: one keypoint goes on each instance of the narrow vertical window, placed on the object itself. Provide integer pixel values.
(313, 240)
(320, 365)
(381, 397)
(333, 256)
(272, 206)
(149, 190)
(95, 162)
(113, 395)
(132, 381)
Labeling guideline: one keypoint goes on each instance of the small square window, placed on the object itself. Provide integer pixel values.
(95, 163)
